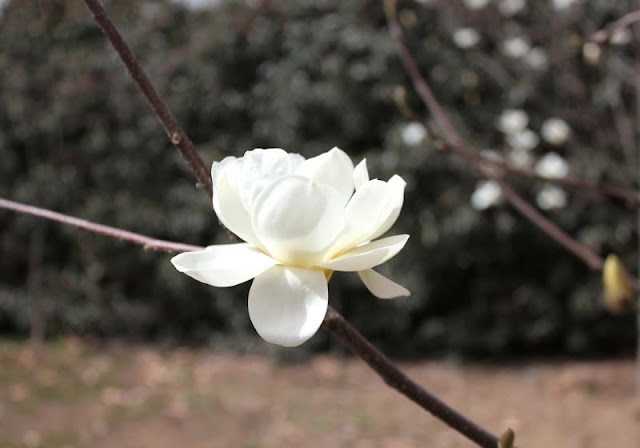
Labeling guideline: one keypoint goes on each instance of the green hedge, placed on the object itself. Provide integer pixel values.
(76, 136)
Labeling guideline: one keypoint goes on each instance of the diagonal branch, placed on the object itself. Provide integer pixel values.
(630, 197)
(333, 322)
(340, 328)
(455, 143)
(113, 232)
(162, 112)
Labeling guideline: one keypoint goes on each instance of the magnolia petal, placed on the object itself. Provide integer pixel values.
(223, 265)
(360, 174)
(333, 168)
(260, 167)
(297, 219)
(374, 207)
(287, 305)
(367, 255)
(227, 202)
(397, 185)
(380, 286)
(369, 209)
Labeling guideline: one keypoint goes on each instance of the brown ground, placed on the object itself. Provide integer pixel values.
(73, 395)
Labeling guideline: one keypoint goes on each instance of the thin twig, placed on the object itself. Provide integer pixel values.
(593, 260)
(175, 132)
(630, 197)
(455, 143)
(340, 328)
(603, 35)
(113, 232)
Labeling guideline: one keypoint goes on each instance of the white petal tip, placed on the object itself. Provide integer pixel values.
(382, 287)
(224, 265)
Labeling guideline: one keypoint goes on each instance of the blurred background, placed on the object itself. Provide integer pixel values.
(520, 82)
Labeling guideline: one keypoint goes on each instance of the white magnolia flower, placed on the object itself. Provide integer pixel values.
(512, 121)
(591, 52)
(300, 220)
(492, 155)
(487, 194)
(516, 47)
(521, 158)
(621, 36)
(555, 131)
(560, 5)
(199, 4)
(466, 38)
(525, 140)
(476, 4)
(553, 166)
(413, 133)
(510, 8)
(537, 58)
(551, 197)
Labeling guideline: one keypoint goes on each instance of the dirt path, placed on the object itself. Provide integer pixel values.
(71, 395)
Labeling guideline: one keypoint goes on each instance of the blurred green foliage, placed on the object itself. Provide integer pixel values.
(76, 137)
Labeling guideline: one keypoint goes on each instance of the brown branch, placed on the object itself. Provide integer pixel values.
(422, 88)
(630, 197)
(113, 232)
(455, 143)
(593, 260)
(173, 129)
(603, 35)
(334, 322)
(349, 336)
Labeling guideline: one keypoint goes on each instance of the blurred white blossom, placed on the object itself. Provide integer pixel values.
(521, 158)
(512, 121)
(621, 36)
(552, 165)
(466, 37)
(537, 58)
(510, 8)
(560, 5)
(199, 4)
(413, 133)
(516, 47)
(493, 155)
(487, 194)
(591, 52)
(551, 197)
(476, 4)
(555, 131)
(525, 140)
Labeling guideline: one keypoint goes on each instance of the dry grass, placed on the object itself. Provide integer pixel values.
(72, 395)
